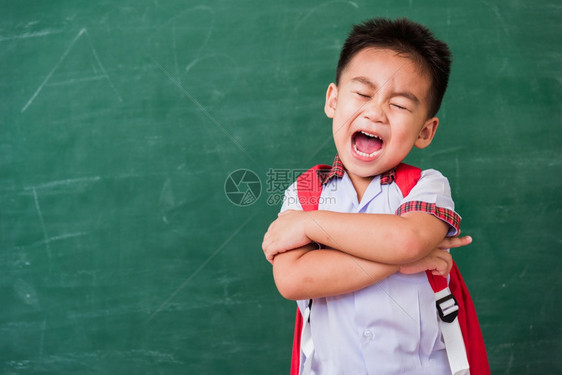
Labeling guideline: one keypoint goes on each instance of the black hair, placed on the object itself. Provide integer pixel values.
(406, 38)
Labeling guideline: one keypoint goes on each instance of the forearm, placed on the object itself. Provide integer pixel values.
(382, 238)
(307, 273)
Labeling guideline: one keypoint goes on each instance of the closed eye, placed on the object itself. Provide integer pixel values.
(363, 95)
(398, 106)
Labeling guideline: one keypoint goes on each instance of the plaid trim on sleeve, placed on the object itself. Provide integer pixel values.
(448, 216)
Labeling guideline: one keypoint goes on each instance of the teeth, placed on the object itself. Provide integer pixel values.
(370, 135)
(364, 153)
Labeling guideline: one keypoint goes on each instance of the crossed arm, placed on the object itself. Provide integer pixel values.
(362, 249)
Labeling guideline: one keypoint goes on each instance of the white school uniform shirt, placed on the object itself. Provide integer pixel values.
(390, 327)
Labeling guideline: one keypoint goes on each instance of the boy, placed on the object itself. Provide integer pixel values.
(367, 317)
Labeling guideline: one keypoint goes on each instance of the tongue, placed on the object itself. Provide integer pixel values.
(367, 144)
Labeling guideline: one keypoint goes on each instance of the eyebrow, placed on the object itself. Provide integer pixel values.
(405, 94)
(364, 81)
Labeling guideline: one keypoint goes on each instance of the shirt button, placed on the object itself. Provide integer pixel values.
(368, 334)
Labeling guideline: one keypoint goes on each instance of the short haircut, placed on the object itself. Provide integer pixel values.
(407, 38)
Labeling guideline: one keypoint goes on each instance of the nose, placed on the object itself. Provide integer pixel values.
(374, 110)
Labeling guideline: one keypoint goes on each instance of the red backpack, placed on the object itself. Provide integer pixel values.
(453, 301)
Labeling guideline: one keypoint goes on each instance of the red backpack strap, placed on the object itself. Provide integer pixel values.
(309, 187)
(406, 177)
(296, 353)
(467, 319)
(470, 327)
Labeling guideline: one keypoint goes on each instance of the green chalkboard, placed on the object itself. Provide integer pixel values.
(144, 145)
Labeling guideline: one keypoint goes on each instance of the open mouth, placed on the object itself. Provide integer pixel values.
(366, 144)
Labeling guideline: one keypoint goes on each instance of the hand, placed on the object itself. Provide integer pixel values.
(285, 233)
(439, 261)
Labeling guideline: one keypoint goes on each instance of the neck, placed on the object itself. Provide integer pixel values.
(360, 184)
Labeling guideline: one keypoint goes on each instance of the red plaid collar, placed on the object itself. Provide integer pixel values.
(388, 177)
(337, 171)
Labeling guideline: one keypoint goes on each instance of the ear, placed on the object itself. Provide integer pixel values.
(427, 132)
(331, 100)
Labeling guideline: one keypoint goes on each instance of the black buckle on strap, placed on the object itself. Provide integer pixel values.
(449, 312)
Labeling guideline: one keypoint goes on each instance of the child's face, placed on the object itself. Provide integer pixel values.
(379, 111)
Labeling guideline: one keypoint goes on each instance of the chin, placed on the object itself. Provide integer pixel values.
(360, 168)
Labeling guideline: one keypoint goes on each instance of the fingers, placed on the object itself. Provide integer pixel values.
(454, 242)
(268, 244)
(267, 248)
(269, 253)
(444, 264)
(271, 247)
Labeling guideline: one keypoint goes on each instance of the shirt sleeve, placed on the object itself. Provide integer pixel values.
(291, 199)
(432, 194)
